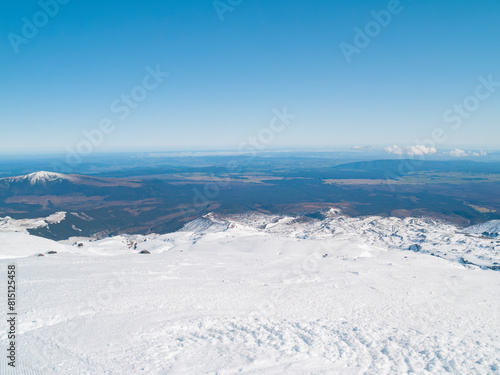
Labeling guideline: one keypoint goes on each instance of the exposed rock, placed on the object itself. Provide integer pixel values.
(416, 248)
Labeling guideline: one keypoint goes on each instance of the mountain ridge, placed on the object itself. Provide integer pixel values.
(38, 178)
(428, 236)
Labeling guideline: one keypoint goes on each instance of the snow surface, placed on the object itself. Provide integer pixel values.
(15, 245)
(256, 294)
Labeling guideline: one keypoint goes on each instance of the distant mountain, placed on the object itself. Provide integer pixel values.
(405, 166)
(43, 178)
(93, 204)
(38, 178)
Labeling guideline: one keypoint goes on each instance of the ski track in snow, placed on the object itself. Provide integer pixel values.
(235, 298)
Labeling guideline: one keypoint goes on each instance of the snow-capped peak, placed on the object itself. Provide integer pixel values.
(40, 178)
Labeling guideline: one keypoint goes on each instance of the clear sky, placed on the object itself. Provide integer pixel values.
(232, 64)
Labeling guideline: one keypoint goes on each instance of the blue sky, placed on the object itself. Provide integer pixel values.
(226, 77)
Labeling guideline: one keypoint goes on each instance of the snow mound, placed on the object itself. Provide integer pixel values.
(490, 229)
(206, 224)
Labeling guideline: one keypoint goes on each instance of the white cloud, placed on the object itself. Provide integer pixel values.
(417, 150)
(396, 150)
(457, 153)
(421, 150)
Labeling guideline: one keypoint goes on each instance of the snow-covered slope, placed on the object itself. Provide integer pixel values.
(16, 245)
(477, 245)
(425, 235)
(490, 228)
(8, 224)
(429, 236)
(257, 294)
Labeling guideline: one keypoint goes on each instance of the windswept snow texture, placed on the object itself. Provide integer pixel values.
(256, 294)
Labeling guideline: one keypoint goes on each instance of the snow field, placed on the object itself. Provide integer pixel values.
(255, 303)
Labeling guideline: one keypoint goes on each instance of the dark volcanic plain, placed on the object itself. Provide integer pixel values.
(162, 199)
